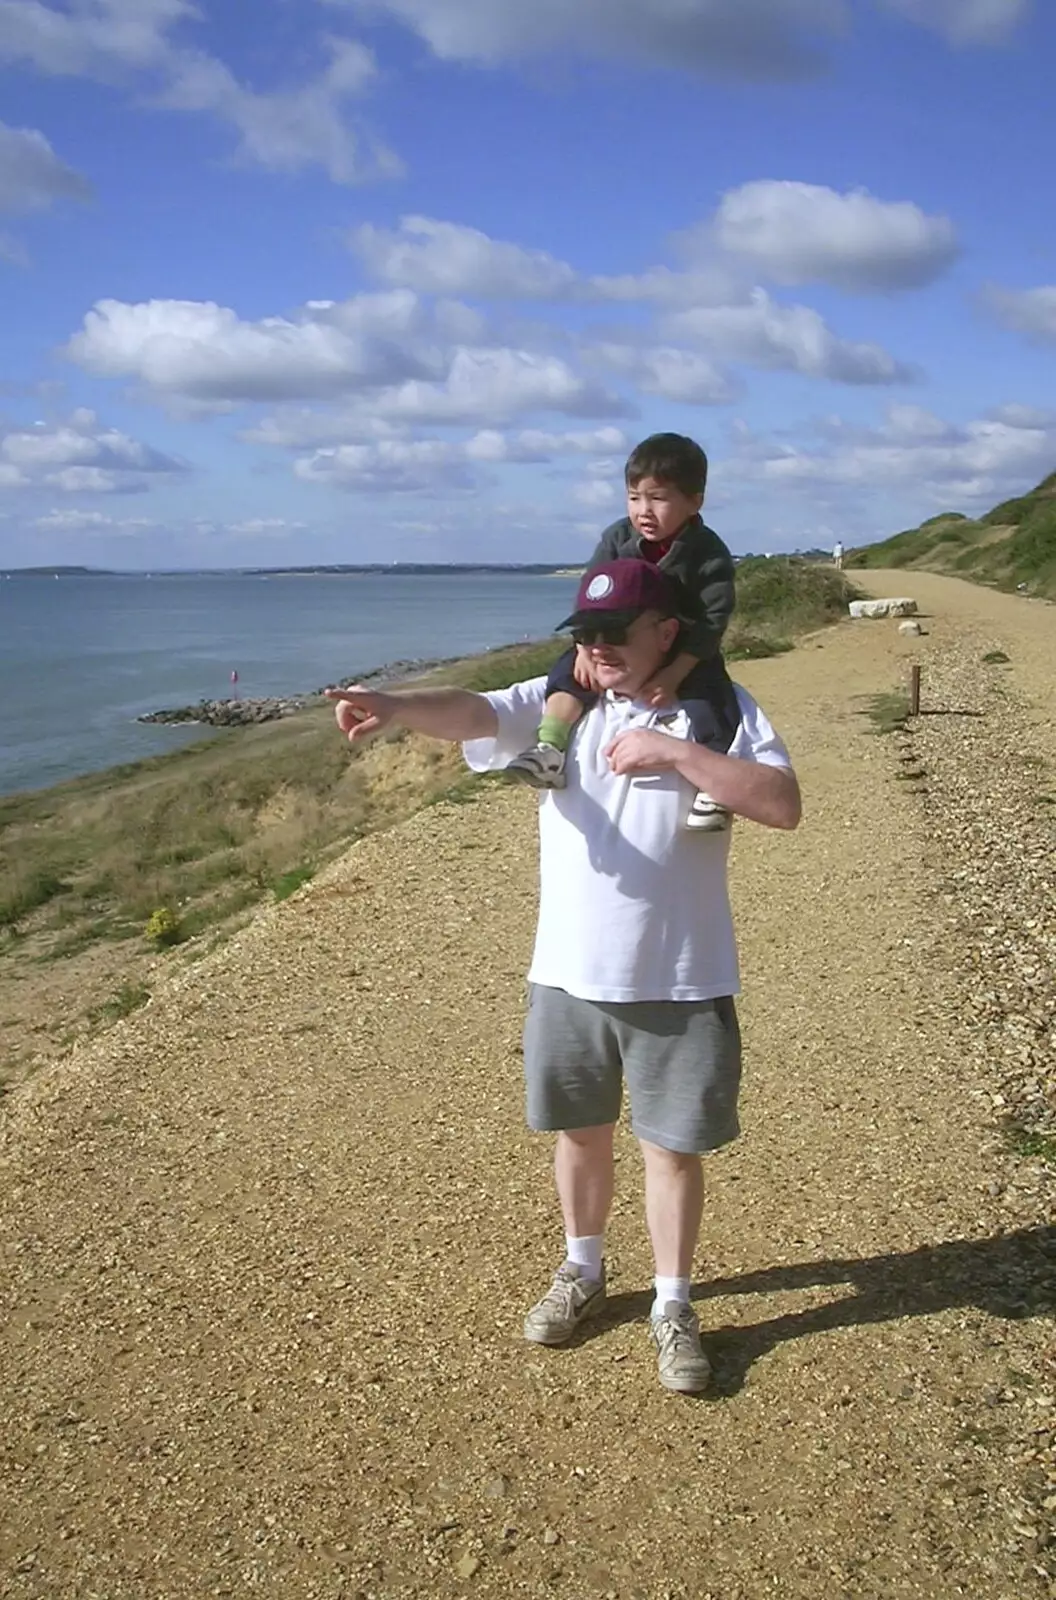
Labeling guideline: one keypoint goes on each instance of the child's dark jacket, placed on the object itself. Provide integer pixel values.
(703, 566)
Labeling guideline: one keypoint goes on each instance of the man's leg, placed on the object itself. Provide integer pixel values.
(583, 1171)
(574, 1083)
(674, 1204)
(683, 1067)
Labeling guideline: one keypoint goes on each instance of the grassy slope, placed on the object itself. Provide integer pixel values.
(208, 831)
(1013, 545)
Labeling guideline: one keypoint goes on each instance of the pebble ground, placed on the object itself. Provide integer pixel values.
(267, 1245)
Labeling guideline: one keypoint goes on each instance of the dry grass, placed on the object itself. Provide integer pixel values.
(210, 829)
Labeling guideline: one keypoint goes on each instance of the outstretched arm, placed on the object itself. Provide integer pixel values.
(454, 714)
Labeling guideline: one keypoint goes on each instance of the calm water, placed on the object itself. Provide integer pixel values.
(80, 658)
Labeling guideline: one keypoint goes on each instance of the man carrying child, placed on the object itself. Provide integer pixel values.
(635, 966)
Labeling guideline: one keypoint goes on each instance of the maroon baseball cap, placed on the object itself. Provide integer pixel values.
(623, 588)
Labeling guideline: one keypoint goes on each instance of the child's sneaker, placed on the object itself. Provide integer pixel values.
(542, 767)
(706, 815)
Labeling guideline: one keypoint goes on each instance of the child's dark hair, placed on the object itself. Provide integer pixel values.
(669, 458)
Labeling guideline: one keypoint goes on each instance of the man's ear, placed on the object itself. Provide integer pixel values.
(669, 630)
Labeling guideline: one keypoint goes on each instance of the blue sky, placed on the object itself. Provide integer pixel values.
(384, 280)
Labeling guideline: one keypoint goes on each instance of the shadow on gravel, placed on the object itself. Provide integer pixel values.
(1011, 1276)
(939, 711)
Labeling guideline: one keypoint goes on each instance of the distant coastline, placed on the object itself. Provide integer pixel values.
(395, 569)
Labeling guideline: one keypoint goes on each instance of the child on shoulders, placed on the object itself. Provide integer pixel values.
(666, 477)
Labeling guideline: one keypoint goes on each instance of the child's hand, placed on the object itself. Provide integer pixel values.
(581, 669)
(659, 691)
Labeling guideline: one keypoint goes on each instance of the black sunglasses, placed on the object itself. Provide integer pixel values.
(602, 633)
(611, 629)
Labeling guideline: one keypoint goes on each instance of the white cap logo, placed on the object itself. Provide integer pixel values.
(600, 586)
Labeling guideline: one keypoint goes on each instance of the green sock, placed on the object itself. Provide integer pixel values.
(553, 731)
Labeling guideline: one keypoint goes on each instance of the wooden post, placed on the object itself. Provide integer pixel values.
(914, 691)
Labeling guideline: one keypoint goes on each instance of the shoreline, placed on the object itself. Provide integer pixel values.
(215, 717)
(236, 712)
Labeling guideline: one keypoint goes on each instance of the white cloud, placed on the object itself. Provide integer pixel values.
(914, 453)
(790, 338)
(495, 384)
(803, 232)
(1029, 311)
(404, 465)
(447, 258)
(303, 427)
(597, 496)
(31, 174)
(206, 351)
(93, 37)
(715, 283)
(388, 346)
(754, 39)
(965, 21)
(682, 376)
(281, 129)
(1017, 416)
(393, 466)
(287, 129)
(255, 527)
(757, 39)
(75, 521)
(78, 456)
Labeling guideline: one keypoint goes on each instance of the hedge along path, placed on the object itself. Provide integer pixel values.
(268, 1244)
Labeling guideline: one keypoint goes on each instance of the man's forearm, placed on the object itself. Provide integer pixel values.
(455, 714)
(751, 789)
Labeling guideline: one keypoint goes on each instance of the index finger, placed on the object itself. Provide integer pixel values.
(353, 692)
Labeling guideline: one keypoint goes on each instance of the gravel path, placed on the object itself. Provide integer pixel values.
(268, 1244)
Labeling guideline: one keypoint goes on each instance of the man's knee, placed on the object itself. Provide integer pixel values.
(589, 1138)
(661, 1159)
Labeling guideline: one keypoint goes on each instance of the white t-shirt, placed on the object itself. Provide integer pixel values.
(632, 904)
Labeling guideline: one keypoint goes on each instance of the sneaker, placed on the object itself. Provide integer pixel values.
(570, 1300)
(706, 816)
(542, 767)
(684, 1368)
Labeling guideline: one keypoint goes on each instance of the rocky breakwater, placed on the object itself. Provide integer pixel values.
(231, 713)
(241, 713)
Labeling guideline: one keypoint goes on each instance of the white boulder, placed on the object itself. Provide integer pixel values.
(910, 628)
(883, 608)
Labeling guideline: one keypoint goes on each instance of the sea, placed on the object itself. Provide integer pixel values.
(82, 656)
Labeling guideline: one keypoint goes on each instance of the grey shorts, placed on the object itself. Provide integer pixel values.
(681, 1060)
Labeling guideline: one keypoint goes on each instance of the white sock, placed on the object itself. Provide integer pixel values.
(668, 1289)
(586, 1253)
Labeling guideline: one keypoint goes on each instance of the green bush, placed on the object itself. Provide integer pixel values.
(130, 997)
(291, 881)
